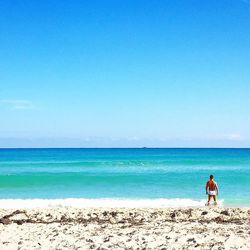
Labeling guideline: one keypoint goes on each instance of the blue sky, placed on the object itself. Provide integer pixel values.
(125, 73)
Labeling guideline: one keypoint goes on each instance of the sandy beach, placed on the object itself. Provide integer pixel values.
(124, 228)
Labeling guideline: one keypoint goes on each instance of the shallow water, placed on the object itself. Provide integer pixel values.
(150, 175)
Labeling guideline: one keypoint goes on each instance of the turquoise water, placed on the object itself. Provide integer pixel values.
(124, 173)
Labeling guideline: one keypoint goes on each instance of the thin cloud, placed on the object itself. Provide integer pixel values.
(18, 104)
(234, 137)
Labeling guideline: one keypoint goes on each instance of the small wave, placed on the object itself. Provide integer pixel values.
(102, 202)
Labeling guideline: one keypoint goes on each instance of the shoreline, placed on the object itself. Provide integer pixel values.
(105, 203)
(125, 228)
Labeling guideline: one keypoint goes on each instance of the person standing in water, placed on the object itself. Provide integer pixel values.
(212, 190)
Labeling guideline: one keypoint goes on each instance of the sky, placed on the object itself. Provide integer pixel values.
(125, 73)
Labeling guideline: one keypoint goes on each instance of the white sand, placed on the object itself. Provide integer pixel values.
(72, 228)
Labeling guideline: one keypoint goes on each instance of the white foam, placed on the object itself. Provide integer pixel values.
(104, 202)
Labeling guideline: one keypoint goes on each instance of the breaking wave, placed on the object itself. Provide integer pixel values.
(102, 202)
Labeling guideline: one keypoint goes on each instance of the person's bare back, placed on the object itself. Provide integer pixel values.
(212, 190)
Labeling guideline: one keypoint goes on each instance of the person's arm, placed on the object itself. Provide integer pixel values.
(217, 189)
(206, 188)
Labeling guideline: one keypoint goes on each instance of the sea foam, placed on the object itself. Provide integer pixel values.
(103, 202)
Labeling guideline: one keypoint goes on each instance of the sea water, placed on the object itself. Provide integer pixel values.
(138, 177)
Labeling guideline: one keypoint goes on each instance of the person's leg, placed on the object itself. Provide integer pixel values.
(215, 200)
(209, 199)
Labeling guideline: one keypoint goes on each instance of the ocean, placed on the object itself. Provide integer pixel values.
(133, 177)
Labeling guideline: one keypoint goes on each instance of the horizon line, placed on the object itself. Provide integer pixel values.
(124, 148)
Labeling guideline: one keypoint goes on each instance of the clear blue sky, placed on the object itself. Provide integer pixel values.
(125, 73)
